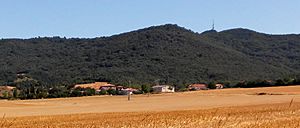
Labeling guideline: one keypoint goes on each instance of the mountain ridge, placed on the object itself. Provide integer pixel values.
(168, 53)
(155, 27)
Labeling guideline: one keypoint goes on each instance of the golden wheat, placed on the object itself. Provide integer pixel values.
(228, 108)
(263, 116)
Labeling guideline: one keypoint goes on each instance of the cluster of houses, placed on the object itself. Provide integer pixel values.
(98, 86)
(203, 87)
(163, 88)
(192, 87)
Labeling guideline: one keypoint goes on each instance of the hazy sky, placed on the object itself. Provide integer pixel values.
(94, 18)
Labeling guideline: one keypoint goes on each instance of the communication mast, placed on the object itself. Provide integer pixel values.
(213, 25)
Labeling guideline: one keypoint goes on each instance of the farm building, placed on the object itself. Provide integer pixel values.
(128, 90)
(197, 87)
(108, 87)
(219, 86)
(96, 86)
(7, 90)
(163, 88)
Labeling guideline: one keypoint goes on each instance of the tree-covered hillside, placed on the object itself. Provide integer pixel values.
(167, 54)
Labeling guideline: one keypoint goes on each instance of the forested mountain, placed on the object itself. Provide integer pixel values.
(167, 54)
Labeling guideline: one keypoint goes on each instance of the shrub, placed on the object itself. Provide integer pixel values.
(76, 93)
(103, 92)
(146, 88)
(139, 92)
(212, 85)
(90, 91)
(111, 91)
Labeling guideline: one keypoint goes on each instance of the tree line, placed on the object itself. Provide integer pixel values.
(32, 89)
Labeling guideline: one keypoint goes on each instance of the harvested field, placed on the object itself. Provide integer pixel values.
(275, 116)
(215, 108)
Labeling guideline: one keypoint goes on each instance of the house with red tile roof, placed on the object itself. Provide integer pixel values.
(197, 87)
(97, 86)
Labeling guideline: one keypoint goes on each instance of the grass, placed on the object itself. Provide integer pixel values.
(264, 116)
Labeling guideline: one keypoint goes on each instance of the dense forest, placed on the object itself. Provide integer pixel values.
(167, 54)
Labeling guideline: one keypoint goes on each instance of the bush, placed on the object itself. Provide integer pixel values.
(76, 93)
(280, 82)
(5, 95)
(212, 85)
(193, 89)
(296, 81)
(146, 88)
(111, 92)
(90, 91)
(42, 95)
(58, 92)
(139, 92)
(103, 92)
(15, 93)
(180, 88)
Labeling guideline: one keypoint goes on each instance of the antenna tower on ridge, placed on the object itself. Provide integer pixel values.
(213, 25)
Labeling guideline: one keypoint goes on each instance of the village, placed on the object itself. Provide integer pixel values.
(106, 88)
(26, 87)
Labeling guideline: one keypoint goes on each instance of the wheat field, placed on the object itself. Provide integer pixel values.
(277, 108)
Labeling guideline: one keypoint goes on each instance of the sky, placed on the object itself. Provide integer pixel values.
(95, 18)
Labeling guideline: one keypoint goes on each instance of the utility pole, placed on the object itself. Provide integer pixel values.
(129, 95)
(129, 92)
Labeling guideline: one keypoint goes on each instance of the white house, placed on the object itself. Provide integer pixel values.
(163, 88)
